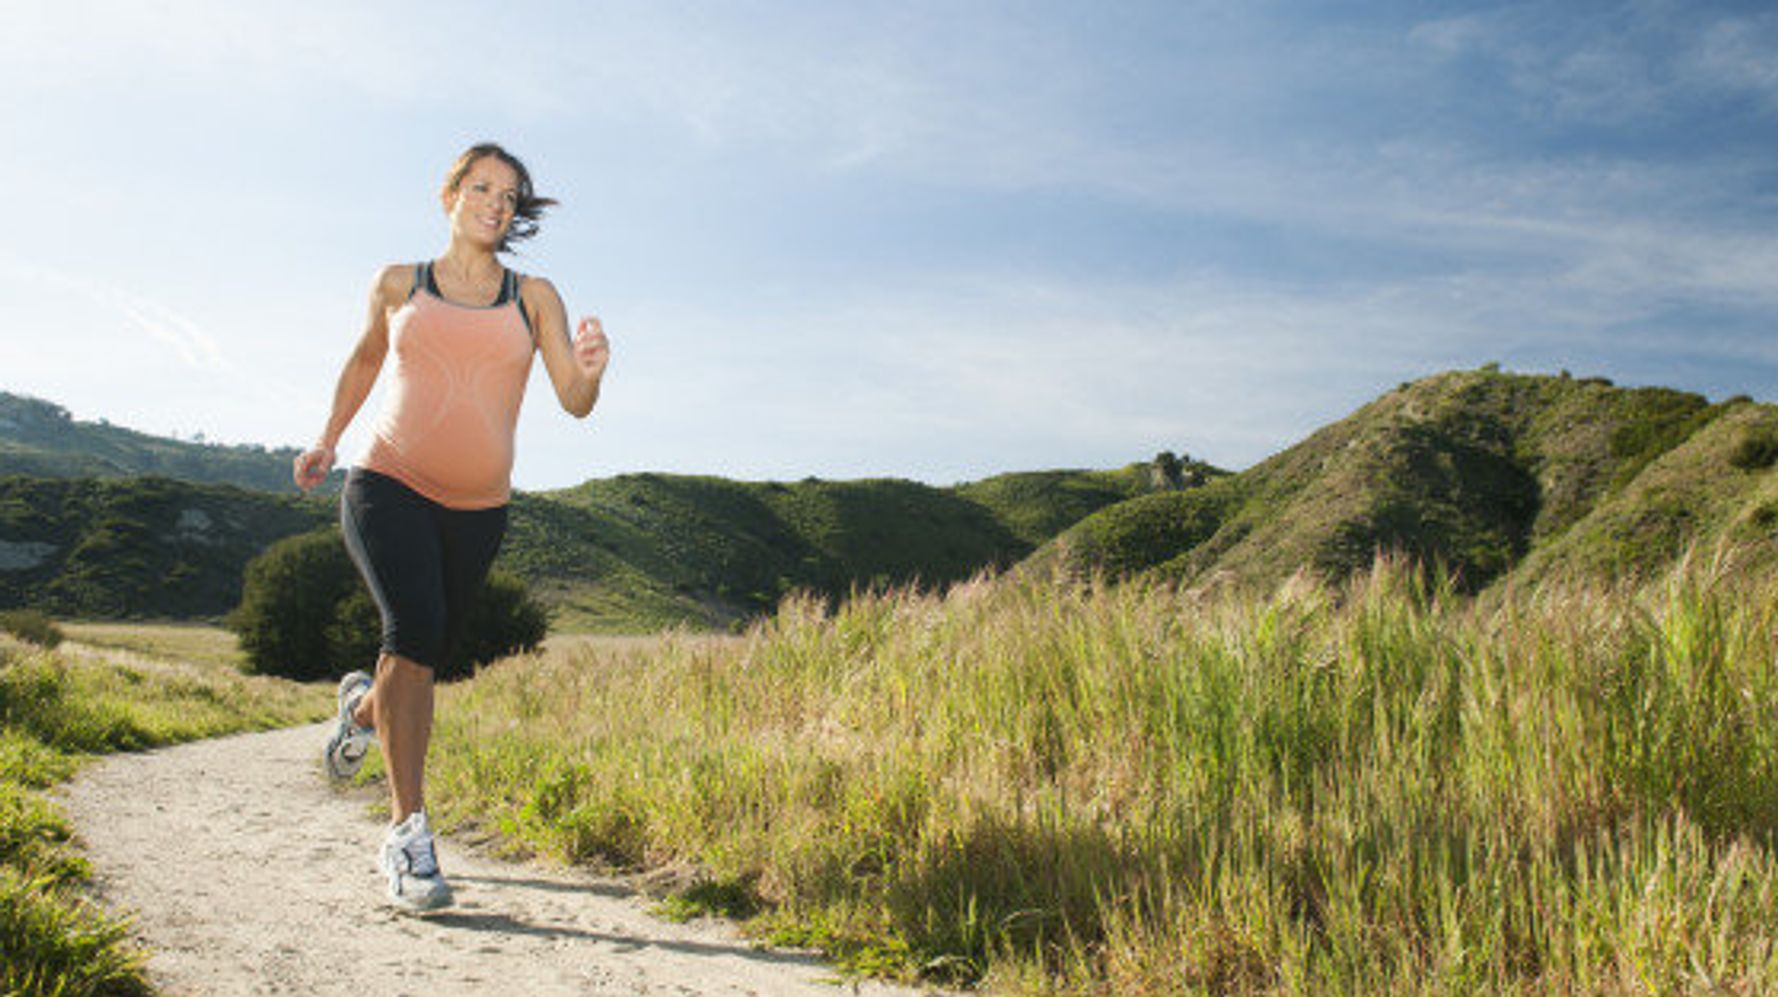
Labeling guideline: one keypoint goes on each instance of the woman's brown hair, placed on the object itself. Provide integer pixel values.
(529, 207)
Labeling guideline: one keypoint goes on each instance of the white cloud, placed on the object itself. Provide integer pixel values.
(1739, 55)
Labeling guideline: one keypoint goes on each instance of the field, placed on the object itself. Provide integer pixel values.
(1051, 788)
(1040, 786)
(195, 643)
(147, 686)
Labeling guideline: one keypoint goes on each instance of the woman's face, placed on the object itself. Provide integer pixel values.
(481, 207)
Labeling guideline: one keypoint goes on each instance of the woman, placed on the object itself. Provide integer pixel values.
(424, 510)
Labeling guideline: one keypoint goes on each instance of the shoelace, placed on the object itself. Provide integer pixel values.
(421, 860)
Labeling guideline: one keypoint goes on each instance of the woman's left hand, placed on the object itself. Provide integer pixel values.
(592, 350)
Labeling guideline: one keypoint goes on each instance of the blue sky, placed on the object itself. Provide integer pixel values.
(925, 240)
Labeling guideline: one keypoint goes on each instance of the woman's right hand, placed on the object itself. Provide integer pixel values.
(312, 465)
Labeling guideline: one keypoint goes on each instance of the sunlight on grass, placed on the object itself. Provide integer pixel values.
(1379, 787)
(191, 642)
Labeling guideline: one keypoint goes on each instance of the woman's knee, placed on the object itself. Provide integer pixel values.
(402, 667)
(420, 637)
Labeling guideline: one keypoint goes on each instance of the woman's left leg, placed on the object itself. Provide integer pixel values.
(399, 707)
(400, 703)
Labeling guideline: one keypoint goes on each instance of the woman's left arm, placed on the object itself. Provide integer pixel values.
(575, 367)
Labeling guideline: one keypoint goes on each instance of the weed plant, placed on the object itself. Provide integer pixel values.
(30, 625)
(58, 707)
(1044, 787)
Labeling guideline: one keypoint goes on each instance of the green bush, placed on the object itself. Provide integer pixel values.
(1146, 531)
(504, 620)
(289, 599)
(1756, 450)
(305, 615)
(31, 625)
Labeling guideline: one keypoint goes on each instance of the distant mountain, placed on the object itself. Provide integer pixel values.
(706, 551)
(41, 439)
(84, 532)
(1493, 475)
(1503, 478)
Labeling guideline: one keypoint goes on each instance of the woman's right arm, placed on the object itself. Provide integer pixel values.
(358, 375)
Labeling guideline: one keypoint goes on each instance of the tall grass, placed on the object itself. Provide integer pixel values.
(1375, 788)
(57, 708)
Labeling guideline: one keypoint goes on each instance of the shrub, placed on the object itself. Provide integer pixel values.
(305, 614)
(504, 620)
(290, 596)
(31, 625)
(1756, 450)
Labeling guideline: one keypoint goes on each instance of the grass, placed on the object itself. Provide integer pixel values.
(61, 707)
(1379, 787)
(198, 643)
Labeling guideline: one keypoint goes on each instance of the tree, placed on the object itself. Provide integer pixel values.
(1168, 473)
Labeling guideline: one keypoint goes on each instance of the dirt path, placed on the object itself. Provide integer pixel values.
(248, 874)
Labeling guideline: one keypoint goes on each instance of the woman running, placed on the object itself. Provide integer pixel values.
(424, 509)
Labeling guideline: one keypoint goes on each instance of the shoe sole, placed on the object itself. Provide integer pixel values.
(341, 766)
(422, 904)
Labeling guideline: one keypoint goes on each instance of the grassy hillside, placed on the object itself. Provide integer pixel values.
(1480, 471)
(1476, 470)
(41, 439)
(1037, 505)
(705, 551)
(1714, 490)
(638, 552)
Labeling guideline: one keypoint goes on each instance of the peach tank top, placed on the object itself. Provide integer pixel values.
(446, 428)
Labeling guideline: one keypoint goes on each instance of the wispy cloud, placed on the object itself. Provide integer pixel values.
(194, 346)
(370, 51)
(1739, 55)
(1287, 207)
(1615, 65)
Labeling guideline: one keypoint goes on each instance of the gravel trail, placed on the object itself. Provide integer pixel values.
(247, 873)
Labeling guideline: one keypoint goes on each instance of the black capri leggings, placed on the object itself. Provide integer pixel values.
(424, 562)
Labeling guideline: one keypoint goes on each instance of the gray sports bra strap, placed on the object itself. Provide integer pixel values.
(422, 278)
(512, 294)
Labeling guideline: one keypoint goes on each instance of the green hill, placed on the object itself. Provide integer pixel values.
(639, 551)
(41, 439)
(661, 549)
(1496, 476)
(1478, 470)
(632, 553)
(1714, 490)
(136, 546)
(1037, 505)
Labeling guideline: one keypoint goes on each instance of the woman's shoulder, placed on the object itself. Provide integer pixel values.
(535, 290)
(395, 281)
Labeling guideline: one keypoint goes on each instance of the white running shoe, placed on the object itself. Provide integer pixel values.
(411, 863)
(348, 744)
